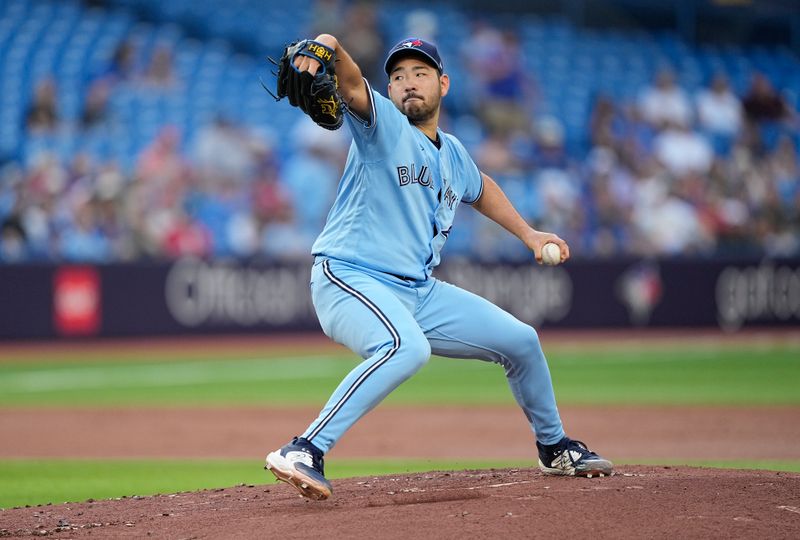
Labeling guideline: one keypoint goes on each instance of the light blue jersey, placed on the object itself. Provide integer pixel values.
(398, 195)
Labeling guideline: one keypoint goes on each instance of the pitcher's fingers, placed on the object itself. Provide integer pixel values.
(563, 247)
(304, 63)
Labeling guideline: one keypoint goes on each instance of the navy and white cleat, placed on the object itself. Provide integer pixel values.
(301, 465)
(572, 458)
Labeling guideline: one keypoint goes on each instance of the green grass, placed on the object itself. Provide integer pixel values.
(757, 374)
(32, 482)
(650, 374)
(681, 375)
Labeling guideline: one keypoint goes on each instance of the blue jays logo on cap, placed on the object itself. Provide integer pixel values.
(412, 43)
(414, 46)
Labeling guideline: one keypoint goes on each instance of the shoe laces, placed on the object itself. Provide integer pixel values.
(571, 445)
(317, 459)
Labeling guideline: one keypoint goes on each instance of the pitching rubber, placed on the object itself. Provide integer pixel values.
(285, 471)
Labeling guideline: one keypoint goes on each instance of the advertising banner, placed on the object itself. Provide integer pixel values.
(193, 296)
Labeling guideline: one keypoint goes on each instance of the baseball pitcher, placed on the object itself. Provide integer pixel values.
(371, 282)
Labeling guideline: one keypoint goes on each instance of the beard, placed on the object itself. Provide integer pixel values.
(418, 111)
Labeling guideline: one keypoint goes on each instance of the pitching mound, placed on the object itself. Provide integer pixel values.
(638, 502)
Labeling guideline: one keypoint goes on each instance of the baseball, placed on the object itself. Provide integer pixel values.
(551, 254)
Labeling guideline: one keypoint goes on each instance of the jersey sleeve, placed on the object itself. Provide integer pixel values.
(377, 136)
(473, 187)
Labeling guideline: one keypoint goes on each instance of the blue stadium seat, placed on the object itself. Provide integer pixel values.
(74, 43)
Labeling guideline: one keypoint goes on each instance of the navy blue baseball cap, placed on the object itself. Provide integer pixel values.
(414, 47)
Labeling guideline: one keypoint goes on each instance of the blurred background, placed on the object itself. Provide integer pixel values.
(144, 171)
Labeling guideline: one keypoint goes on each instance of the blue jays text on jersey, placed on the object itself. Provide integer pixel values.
(408, 175)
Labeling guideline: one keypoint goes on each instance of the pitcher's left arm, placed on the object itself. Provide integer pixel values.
(494, 204)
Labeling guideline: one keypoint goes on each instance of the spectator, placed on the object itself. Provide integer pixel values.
(421, 23)
(364, 41)
(13, 245)
(226, 150)
(634, 143)
(560, 194)
(83, 240)
(762, 103)
(548, 149)
(283, 238)
(505, 92)
(270, 198)
(12, 178)
(326, 17)
(161, 163)
(667, 224)
(225, 210)
(610, 191)
(184, 236)
(122, 66)
(280, 234)
(161, 182)
(95, 109)
(718, 109)
(784, 167)
(605, 123)
(665, 102)
(160, 72)
(312, 173)
(42, 115)
(496, 157)
(609, 217)
(109, 185)
(683, 151)
(768, 115)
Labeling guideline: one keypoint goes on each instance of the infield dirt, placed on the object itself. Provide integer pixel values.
(638, 502)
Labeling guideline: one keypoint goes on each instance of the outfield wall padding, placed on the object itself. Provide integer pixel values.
(192, 296)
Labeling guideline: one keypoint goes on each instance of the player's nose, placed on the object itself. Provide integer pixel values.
(410, 91)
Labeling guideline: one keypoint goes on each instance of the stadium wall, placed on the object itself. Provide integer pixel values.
(191, 296)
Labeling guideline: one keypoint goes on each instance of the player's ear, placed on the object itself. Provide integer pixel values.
(444, 82)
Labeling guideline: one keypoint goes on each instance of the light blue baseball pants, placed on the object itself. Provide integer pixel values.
(395, 324)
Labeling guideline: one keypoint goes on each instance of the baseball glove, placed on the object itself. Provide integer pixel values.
(316, 95)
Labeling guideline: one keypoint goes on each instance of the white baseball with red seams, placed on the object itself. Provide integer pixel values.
(551, 254)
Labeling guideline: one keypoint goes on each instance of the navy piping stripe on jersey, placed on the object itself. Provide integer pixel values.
(370, 370)
(473, 201)
(369, 122)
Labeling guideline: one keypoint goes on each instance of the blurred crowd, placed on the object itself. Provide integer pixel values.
(667, 174)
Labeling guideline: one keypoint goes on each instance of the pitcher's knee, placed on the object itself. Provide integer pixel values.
(522, 338)
(414, 353)
(522, 343)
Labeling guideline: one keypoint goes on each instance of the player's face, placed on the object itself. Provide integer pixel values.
(417, 89)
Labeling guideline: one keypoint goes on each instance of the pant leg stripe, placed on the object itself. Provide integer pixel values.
(385, 358)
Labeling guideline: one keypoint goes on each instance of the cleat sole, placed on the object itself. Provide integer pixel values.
(284, 471)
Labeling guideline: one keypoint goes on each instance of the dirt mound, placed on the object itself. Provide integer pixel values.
(651, 502)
